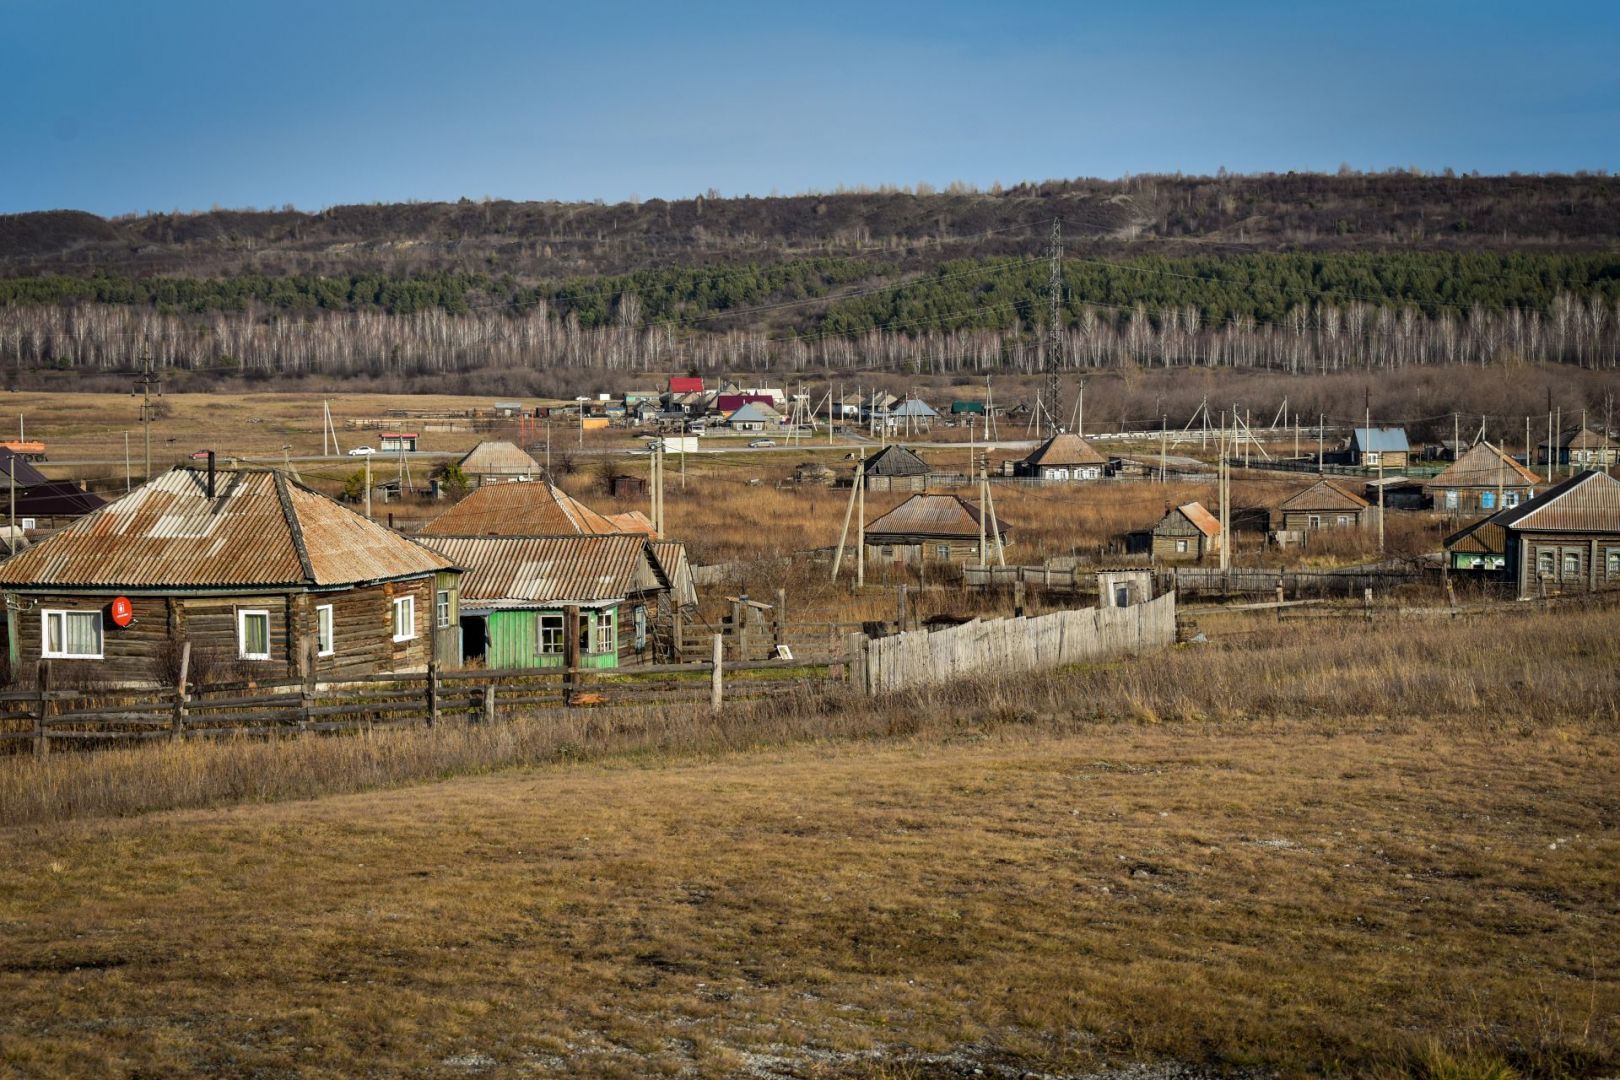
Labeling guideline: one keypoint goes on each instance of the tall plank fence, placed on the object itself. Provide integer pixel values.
(884, 665)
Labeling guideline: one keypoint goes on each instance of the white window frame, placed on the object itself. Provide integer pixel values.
(1181, 546)
(242, 617)
(942, 551)
(603, 637)
(325, 626)
(1342, 520)
(1372, 457)
(441, 607)
(1570, 566)
(406, 606)
(1313, 521)
(1546, 563)
(553, 622)
(45, 650)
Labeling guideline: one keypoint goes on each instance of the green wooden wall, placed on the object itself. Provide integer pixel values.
(514, 641)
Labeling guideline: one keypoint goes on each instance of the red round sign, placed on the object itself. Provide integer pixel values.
(123, 612)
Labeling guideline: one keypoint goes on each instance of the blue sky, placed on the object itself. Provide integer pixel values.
(119, 107)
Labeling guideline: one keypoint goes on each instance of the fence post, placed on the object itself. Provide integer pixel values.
(489, 704)
(42, 744)
(1366, 600)
(900, 608)
(1279, 598)
(433, 693)
(1018, 597)
(856, 646)
(716, 679)
(177, 728)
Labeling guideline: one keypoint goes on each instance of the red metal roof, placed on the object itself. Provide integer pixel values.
(682, 384)
(1202, 519)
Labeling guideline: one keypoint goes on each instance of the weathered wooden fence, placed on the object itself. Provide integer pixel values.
(1348, 581)
(35, 719)
(883, 665)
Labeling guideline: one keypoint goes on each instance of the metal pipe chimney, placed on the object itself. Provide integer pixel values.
(210, 474)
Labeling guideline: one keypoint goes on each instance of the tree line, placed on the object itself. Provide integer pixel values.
(1288, 312)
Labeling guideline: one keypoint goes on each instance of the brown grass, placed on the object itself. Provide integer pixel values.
(1311, 847)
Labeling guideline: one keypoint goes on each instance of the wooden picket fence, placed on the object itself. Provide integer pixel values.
(919, 657)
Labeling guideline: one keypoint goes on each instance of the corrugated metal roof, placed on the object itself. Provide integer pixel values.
(14, 466)
(498, 459)
(945, 516)
(913, 407)
(755, 412)
(1324, 495)
(1201, 519)
(1380, 440)
(1587, 502)
(260, 529)
(520, 508)
(1483, 537)
(671, 557)
(1483, 466)
(1065, 448)
(1573, 439)
(632, 521)
(896, 461)
(523, 571)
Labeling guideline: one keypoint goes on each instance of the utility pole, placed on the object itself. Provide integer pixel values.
(1054, 327)
(1321, 428)
(144, 384)
(126, 463)
(11, 534)
(860, 528)
(368, 487)
(1164, 445)
(1223, 474)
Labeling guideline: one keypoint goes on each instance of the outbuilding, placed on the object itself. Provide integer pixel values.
(933, 528)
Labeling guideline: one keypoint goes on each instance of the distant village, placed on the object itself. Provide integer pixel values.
(252, 567)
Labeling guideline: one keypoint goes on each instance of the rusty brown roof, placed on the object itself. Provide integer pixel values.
(1587, 502)
(1483, 466)
(498, 459)
(1202, 519)
(261, 529)
(526, 571)
(1065, 448)
(521, 508)
(1483, 537)
(1324, 495)
(945, 516)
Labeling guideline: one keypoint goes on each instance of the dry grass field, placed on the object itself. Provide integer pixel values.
(1306, 848)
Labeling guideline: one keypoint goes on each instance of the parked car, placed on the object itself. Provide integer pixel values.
(757, 443)
(361, 451)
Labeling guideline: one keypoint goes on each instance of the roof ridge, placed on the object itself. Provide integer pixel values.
(296, 529)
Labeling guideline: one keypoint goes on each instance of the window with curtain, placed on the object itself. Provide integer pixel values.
(71, 635)
(253, 635)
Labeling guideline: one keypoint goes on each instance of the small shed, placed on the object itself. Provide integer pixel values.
(895, 468)
(392, 442)
(1186, 532)
(624, 486)
(1124, 588)
(1479, 548)
(508, 410)
(1323, 505)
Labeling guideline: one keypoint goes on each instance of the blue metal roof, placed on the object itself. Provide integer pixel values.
(1380, 440)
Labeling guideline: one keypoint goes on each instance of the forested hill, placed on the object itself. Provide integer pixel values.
(537, 241)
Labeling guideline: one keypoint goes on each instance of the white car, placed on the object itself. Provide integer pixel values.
(361, 451)
(758, 443)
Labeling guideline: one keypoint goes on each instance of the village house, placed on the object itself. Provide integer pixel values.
(523, 508)
(1323, 505)
(497, 463)
(1566, 539)
(38, 502)
(1065, 456)
(558, 601)
(1580, 448)
(895, 468)
(1380, 448)
(755, 418)
(1484, 480)
(1186, 532)
(933, 528)
(913, 414)
(262, 576)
